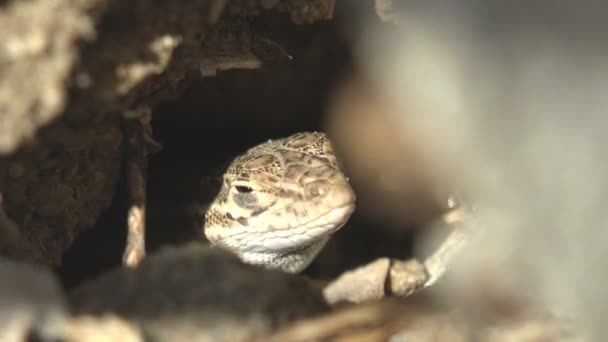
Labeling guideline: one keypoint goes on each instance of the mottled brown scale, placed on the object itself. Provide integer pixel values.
(222, 196)
(280, 202)
(216, 217)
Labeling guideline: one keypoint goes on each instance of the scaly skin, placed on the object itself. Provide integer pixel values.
(280, 202)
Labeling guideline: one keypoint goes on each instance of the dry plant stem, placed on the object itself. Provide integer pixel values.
(402, 278)
(210, 67)
(460, 221)
(139, 144)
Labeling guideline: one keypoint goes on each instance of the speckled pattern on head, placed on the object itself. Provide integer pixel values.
(280, 202)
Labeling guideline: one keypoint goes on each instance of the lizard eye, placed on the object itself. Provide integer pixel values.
(245, 199)
(243, 189)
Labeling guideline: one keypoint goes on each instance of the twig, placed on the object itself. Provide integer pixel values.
(139, 145)
(461, 222)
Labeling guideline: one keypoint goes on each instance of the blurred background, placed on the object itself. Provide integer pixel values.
(506, 102)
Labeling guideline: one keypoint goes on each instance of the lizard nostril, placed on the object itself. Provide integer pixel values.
(316, 189)
(334, 195)
(340, 195)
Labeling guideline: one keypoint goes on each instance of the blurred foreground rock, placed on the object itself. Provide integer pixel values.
(31, 303)
(37, 53)
(199, 293)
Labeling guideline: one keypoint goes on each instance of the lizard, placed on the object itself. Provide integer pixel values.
(280, 202)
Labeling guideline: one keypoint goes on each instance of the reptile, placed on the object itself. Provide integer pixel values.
(280, 202)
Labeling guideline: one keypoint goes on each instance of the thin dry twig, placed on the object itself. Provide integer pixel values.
(384, 276)
(460, 220)
(139, 145)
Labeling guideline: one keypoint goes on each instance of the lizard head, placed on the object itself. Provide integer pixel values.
(280, 202)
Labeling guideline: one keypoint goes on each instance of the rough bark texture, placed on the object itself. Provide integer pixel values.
(84, 70)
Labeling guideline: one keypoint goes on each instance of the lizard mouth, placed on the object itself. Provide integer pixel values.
(293, 238)
(291, 249)
(291, 261)
(269, 237)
